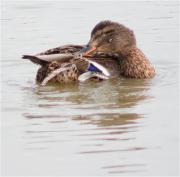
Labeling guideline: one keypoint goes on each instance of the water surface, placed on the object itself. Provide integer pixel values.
(116, 127)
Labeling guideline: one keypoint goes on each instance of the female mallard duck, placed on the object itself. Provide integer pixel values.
(111, 52)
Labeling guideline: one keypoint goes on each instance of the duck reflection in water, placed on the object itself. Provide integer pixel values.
(106, 101)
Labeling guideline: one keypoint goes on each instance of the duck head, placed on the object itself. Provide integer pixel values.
(108, 36)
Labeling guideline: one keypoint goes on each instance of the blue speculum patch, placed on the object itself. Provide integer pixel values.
(93, 68)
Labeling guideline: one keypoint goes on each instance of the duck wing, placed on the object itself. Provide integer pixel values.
(90, 64)
(70, 48)
(91, 74)
(35, 59)
(106, 63)
(61, 54)
(95, 66)
(44, 59)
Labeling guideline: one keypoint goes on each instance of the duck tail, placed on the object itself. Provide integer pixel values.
(35, 59)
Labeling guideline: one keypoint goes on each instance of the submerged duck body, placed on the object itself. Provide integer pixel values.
(111, 52)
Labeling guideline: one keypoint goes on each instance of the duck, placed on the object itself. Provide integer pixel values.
(110, 53)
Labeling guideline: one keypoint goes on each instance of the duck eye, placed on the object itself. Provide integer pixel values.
(110, 40)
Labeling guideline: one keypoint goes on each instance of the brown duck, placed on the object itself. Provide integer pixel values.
(111, 52)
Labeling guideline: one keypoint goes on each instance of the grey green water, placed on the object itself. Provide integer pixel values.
(118, 127)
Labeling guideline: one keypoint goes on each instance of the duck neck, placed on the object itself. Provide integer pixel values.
(126, 52)
(134, 64)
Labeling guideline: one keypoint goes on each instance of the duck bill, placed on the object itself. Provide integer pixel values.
(87, 51)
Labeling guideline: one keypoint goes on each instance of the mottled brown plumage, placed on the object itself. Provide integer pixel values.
(111, 51)
(67, 68)
(66, 76)
(134, 64)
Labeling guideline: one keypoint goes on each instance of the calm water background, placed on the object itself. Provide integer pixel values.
(116, 127)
